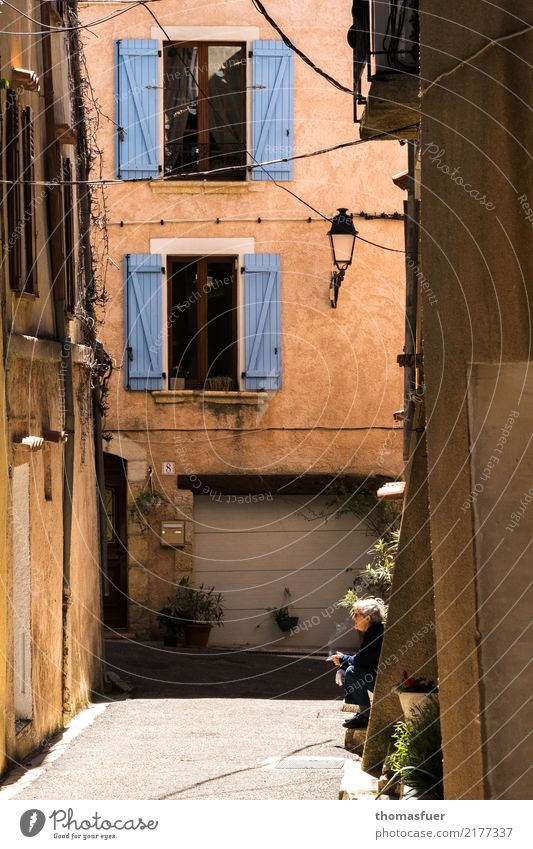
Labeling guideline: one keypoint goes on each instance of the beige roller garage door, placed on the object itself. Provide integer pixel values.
(253, 550)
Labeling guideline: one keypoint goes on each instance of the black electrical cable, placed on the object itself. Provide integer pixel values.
(50, 29)
(286, 40)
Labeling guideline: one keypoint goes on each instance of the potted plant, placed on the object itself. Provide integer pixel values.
(417, 755)
(144, 502)
(199, 608)
(171, 618)
(223, 383)
(283, 619)
(413, 692)
(178, 376)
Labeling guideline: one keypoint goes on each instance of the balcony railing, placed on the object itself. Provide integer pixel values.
(385, 40)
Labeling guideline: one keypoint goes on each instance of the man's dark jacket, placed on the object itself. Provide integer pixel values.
(367, 655)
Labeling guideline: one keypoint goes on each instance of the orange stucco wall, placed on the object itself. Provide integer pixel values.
(339, 366)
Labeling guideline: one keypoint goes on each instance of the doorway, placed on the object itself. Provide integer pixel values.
(115, 583)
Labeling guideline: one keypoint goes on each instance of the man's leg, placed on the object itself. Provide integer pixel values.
(357, 684)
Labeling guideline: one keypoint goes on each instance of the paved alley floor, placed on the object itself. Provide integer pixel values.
(200, 725)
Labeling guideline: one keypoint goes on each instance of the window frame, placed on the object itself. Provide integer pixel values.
(201, 315)
(240, 174)
(20, 201)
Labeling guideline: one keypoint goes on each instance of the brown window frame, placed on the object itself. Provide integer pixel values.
(201, 304)
(203, 164)
(20, 171)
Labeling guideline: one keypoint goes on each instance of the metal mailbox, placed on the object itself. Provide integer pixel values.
(173, 534)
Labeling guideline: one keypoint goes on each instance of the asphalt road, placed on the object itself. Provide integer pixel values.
(201, 725)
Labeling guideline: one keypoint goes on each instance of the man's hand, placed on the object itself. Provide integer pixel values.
(337, 658)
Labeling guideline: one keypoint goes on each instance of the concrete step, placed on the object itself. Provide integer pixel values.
(356, 784)
(354, 740)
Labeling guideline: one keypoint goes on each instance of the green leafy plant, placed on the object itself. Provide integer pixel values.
(147, 500)
(284, 620)
(417, 754)
(171, 618)
(380, 517)
(196, 604)
(375, 581)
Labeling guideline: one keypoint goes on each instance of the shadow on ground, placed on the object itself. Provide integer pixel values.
(159, 672)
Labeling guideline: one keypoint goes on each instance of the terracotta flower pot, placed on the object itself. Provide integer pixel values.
(197, 634)
(410, 700)
(177, 383)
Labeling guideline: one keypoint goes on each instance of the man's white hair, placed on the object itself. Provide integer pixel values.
(373, 607)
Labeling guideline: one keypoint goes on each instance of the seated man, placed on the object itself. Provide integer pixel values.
(361, 667)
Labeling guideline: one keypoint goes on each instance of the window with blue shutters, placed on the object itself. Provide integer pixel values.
(262, 321)
(204, 123)
(143, 325)
(273, 108)
(137, 113)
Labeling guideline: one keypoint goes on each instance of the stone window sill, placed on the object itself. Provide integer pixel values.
(197, 396)
(199, 187)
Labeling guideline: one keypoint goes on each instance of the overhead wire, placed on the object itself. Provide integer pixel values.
(303, 56)
(248, 167)
(261, 165)
(52, 29)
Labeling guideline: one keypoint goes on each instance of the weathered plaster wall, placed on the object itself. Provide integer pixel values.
(502, 474)
(34, 405)
(3, 569)
(475, 249)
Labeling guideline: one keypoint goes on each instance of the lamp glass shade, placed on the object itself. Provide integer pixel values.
(342, 237)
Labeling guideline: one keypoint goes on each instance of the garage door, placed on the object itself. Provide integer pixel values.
(257, 552)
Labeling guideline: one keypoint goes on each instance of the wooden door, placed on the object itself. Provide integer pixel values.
(115, 584)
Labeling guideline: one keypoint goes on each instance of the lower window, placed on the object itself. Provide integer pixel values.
(203, 323)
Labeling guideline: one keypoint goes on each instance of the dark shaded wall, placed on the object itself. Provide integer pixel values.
(475, 248)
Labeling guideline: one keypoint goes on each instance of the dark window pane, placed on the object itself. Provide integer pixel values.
(221, 319)
(183, 318)
(226, 106)
(181, 109)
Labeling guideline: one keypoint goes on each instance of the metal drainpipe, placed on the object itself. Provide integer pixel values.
(67, 379)
(66, 369)
(411, 297)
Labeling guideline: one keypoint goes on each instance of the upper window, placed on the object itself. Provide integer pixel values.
(200, 128)
(20, 172)
(205, 109)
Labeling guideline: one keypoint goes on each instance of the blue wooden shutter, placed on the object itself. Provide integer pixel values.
(143, 327)
(136, 97)
(262, 321)
(273, 108)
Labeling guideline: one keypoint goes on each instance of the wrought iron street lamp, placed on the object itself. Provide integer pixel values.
(342, 236)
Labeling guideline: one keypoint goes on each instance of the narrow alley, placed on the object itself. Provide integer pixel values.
(202, 725)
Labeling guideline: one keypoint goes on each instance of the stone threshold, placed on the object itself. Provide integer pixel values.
(356, 784)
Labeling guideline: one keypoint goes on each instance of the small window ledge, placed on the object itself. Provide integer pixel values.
(202, 187)
(196, 396)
